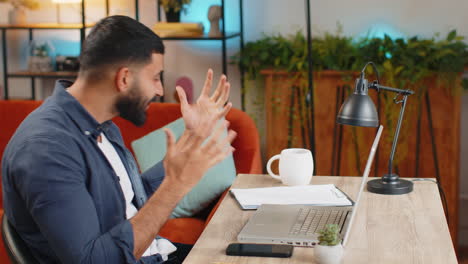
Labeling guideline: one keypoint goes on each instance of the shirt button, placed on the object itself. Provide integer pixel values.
(87, 133)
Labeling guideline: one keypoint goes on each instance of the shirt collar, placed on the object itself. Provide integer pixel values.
(86, 123)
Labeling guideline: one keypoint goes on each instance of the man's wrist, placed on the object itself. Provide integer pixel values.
(171, 190)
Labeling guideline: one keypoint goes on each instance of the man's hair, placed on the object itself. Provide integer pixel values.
(117, 41)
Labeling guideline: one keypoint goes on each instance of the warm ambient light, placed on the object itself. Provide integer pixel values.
(66, 1)
(59, 2)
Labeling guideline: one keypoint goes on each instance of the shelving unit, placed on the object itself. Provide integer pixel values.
(225, 36)
(82, 28)
(44, 26)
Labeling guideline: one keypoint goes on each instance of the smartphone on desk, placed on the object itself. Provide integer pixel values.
(259, 250)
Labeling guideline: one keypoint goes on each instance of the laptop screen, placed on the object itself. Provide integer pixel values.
(363, 182)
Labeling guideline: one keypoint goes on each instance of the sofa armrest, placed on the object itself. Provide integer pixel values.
(247, 143)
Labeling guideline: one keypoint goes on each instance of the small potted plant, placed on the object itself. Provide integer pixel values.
(17, 15)
(172, 8)
(329, 250)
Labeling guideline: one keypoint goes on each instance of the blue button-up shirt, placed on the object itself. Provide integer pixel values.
(60, 192)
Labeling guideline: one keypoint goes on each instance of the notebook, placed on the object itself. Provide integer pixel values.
(299, 225)
(323, 195)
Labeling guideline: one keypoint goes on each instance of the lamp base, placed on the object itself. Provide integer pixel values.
(390, 184)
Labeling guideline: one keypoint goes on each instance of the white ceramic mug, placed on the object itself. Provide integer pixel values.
(295, 166)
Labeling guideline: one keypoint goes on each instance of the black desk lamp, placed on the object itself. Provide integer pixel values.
(359, 110)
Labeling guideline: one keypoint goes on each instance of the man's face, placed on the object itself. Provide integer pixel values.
(145, 87)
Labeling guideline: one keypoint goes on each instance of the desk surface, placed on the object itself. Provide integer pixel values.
(408, 228)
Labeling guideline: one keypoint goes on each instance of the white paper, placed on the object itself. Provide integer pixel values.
(320, 195)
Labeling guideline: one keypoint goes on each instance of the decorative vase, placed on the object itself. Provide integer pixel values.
(214, 14)
(328, 254)
(17, 16)
(173, 16)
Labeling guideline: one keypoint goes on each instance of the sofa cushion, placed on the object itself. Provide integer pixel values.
(247, 144)
(151, 149)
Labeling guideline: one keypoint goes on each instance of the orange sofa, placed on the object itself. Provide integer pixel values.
(182, 230)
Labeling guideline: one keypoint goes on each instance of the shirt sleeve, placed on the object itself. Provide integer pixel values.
(153, 177)
(50, 177)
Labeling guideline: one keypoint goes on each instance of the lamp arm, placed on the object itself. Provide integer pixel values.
(375, 85)
(378, 87)
(397, 133)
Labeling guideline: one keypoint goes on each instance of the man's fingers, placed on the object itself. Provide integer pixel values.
(219, 131)
(231, 136)
(226, 110)
(219, 90)
(208, 82)
(170, 139)
(228, 139)
(215, 137)
(217, 144)
(195, 139)
(224, 95)
(220, 157)
(182, 97)
(183, 138)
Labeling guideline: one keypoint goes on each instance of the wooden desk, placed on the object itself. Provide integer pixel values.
(394, 229)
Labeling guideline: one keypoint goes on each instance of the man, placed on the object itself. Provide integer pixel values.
(71, 188)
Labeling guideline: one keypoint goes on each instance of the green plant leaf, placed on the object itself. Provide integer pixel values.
(451, 36)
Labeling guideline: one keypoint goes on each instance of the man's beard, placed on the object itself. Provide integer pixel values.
(132, 107)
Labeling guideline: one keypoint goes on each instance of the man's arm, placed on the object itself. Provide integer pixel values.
(195, 116)
(187, 160)
(52, 183)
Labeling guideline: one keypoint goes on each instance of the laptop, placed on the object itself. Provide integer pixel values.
(298, 225)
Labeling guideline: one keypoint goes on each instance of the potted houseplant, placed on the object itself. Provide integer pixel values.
(172, 8)
(17, 15)
(329, 250)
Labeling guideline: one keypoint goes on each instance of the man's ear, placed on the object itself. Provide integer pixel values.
(123, 79)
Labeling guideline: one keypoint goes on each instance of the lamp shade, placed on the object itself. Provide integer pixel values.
(358, 110)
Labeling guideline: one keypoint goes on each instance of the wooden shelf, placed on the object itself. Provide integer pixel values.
(18, 98)
(46, 26)
(204, 37)
(56, 74)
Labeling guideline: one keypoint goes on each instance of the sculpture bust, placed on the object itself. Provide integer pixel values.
(214, 14)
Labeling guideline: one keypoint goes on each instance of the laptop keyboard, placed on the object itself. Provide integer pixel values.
(310, 221)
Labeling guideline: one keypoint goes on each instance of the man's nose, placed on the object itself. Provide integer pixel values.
(159, 90)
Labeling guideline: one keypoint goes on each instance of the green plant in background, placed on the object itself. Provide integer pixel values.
(404, 63)
(409, 60)
(465, 84)
(41, 50)
(329, 236)
(28, 4)
(175, 5)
